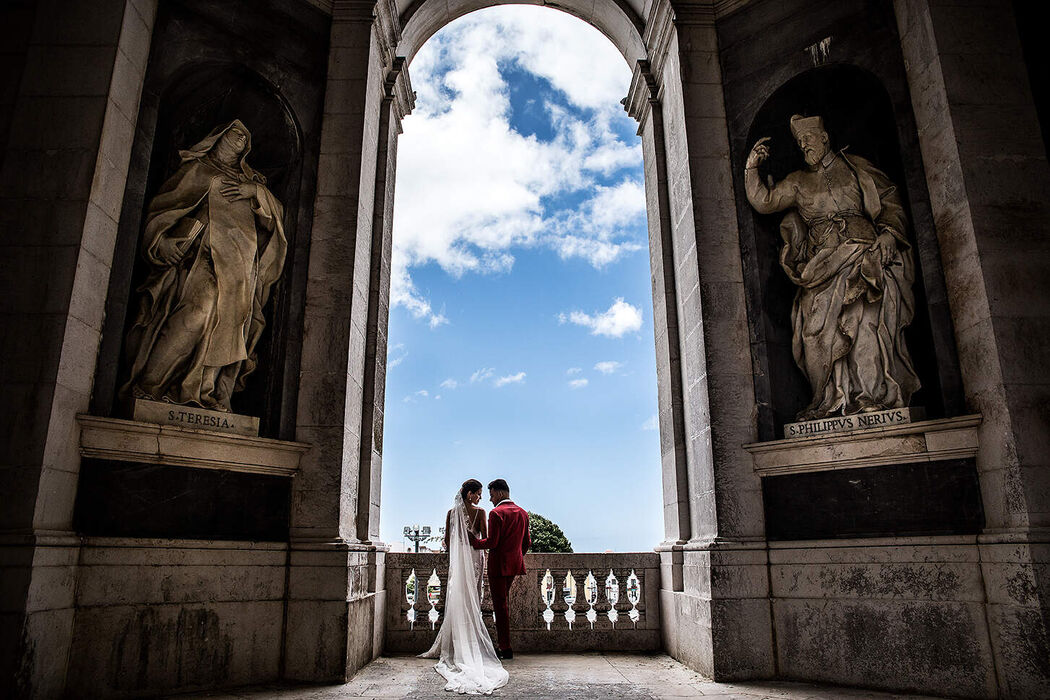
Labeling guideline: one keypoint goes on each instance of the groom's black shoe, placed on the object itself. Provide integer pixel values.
(505, 655)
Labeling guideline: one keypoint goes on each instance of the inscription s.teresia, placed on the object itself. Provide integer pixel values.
(199, 419)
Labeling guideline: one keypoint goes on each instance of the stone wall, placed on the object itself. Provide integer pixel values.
(166, 615)
(901, 614)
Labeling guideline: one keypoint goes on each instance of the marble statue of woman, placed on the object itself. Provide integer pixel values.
(215, 245)
(845, 247)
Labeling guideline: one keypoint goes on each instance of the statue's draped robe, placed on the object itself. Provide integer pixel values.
(211, 302)
(850, 310)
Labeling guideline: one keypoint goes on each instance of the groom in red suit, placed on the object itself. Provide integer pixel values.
(508, 541)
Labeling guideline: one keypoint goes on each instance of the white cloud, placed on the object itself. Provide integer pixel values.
(482, 374)
(395, 355)
(573, 370)
(608, 366)
(578, 383)
(510, 379)
(620, 319)
(652, 423)
(423, 392)
(404, 293)
(449, 383)
(471, 189)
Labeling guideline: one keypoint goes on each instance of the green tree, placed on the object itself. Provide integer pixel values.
(546, 536)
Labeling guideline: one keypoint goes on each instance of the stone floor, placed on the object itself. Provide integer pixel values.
(555, 676)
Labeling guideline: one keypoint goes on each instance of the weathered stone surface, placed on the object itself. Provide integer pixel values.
(181, 614)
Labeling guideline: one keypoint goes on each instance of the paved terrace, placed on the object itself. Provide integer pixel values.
(555, 676)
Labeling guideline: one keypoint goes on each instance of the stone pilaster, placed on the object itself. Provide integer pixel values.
(715, 598)
(63, 176)
(398, 101)
(989, 190)
(335, 596)
(643, 104)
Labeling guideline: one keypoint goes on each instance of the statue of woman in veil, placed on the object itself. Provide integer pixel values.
(215, 244)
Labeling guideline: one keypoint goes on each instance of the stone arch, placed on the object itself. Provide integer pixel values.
(712, 498)
(615, 19)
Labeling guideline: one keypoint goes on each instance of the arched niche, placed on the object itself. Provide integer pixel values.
(198, 98)
(859, 117)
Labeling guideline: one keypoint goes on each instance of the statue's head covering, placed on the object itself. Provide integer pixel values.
(800, 124)
(205, 145)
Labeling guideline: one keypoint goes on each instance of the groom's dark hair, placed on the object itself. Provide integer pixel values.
(499, 485)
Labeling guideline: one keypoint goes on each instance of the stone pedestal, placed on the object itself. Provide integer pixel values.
(859, 421)
(193, 418)
(923, 441)
(132, 441)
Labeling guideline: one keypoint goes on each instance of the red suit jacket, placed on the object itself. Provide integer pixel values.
(508, 540)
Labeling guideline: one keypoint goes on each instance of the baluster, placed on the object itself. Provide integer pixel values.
(547, 595)
(433, 596)
(569, 596)
(634, 594)
(410, 596)
(612, 594)
(590, 594)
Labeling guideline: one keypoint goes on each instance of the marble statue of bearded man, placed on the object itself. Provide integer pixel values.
(846, 250)
(215, 244)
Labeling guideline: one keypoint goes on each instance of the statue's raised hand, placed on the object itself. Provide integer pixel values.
(759, 152)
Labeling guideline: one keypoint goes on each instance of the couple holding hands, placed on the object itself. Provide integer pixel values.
(466, 657)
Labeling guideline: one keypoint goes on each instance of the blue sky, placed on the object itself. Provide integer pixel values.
(521, 338)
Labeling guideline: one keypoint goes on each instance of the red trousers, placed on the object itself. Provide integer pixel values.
(500, 587)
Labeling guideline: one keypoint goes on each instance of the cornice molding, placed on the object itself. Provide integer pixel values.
(665, 15)
(388, 30)
(644, 92)
(397, 87)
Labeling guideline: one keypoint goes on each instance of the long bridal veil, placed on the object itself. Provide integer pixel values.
(463, 648)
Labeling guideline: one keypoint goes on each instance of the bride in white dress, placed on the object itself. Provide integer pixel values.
(463, 648)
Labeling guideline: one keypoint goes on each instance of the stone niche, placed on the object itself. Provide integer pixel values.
(859, 117)
(840, 60)
(211, 63)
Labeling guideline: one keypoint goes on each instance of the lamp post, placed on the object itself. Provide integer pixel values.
(417, 534)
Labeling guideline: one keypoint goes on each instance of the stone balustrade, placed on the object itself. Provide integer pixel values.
(610, 603)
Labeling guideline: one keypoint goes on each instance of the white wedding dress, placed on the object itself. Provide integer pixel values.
(463, 648)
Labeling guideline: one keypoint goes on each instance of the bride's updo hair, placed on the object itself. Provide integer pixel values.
(469, 486)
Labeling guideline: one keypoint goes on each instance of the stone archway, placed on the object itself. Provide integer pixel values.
(713, 518)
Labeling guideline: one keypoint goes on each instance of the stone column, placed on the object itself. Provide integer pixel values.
(989, 187)
(398, 101)
(61, 185)
(643, 103)
(335, 566)
(717, 617)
